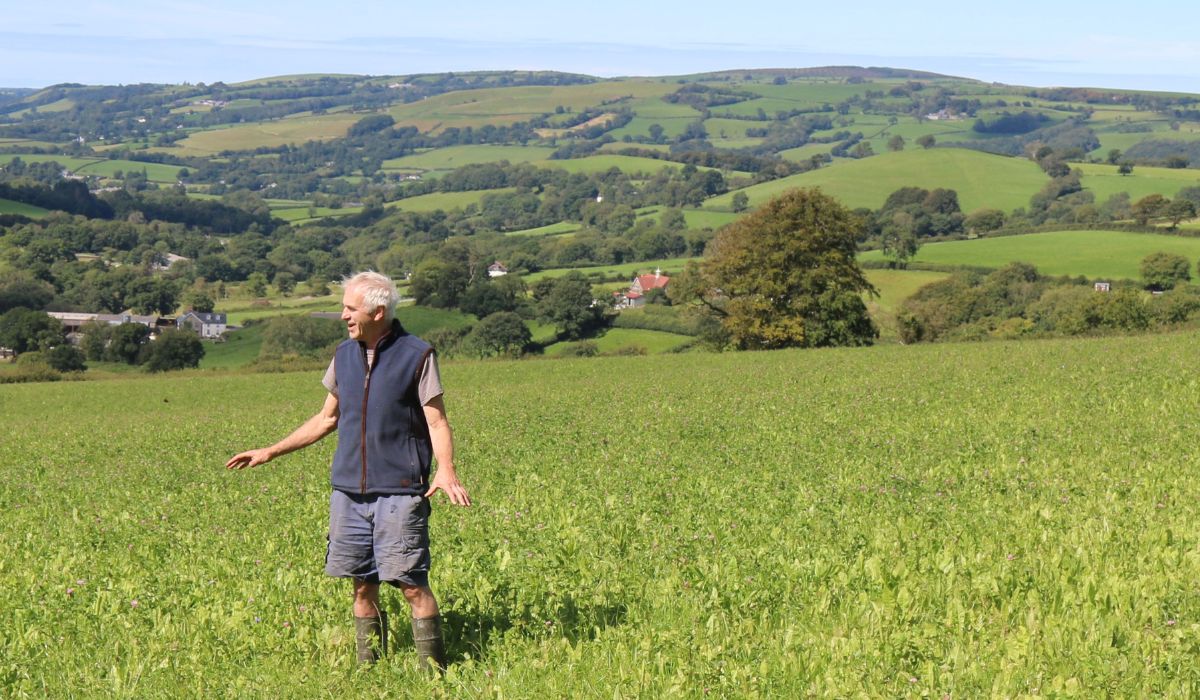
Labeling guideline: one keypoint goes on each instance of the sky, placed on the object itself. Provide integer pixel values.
(1148, 45)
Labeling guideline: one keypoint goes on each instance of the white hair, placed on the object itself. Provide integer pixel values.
(377, 291)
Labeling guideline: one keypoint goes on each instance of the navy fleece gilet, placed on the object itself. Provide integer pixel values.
(383, 439)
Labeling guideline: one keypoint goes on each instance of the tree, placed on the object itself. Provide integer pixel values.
(256, 284)
(501, 333)
(285, 282)
(899, 239)
(740, 201)
(439, 283)
(1114, 156)
(984, 220)
(21, 289)
(174, 350)
(1162, 271)
(1125, 168)
(656, 133)
(567, 303)
(862, 149)
(150, 295)
(126, 342)
(1179, 210)
(25, 330)
(1149, 207)
(927, 141)
(785, 275)
(301, 335)
(199, 301)
(896, 143)
(65, 358)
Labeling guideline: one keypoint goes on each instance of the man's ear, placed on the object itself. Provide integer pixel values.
(378, 314)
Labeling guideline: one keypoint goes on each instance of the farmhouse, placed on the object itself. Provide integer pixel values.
(208, 325)
(497, 269)
(73, 321)
(636, 294)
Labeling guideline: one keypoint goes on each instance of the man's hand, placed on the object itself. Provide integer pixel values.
(447, 481)
(249, 458)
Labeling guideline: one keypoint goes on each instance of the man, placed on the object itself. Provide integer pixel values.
(385, 401)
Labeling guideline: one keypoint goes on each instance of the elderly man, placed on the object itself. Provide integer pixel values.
(385, 401)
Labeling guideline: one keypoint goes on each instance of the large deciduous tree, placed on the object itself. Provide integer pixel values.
(785, 276)
(1162, 271)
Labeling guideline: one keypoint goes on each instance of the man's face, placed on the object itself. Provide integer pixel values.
(362, 323)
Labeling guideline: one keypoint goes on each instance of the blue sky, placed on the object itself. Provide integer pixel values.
(1150, 44)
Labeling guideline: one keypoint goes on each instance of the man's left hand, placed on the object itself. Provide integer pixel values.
(447, 481)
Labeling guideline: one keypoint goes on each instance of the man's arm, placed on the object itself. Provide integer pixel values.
(443, 450)
(323, 423)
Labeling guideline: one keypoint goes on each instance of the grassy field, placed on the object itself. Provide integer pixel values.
(981, 179)
(8, 206)
(629, 339)
(499, 106)
(155, 172)
(1104, 181)
(894, 286)
(603, 162)
(280, 132)
(1094, 254)
(444, 200)
(457, 156)
(987, 520)
(559, 229)
(626, 270)
(239, 349)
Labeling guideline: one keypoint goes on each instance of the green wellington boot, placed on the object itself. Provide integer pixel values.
(370, 638)
(431, 651)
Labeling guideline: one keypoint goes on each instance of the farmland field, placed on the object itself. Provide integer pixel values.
(987, 520)
(981, 179)
(1104, 181)
(444, 200)
(1094, 254)
(8, 206)
(617, 339)
(280, 132)
(457, 156)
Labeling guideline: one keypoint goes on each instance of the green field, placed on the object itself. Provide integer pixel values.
(280, 132)
(894, 286)
(985, 520)
(155, 172)
(1104, 181)
(1094, 254)
(606, 161)
(8, 206)
(457, 156)
(628, 339)
(625, 270)
(981, 179)
(559, 229)
(445, 201)
(239, 349)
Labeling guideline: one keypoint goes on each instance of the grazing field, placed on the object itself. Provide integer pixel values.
(457, 156)
(1094, 254)
(8, 206)
(981, 179)
(1104, 181)
(894, 286)
(559, 229)
(630, 340)
(155, 172)
(269, 134)
(605, 161)
(668, 266)
(986, 520)
(445, 201)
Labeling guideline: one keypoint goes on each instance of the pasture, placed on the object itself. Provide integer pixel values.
(630, 340)
(445, 201)
(8, 206)
(453, 157)
(981, 179)
(996, 519)
(1103, 180)
(1093, 254)
(280, 132)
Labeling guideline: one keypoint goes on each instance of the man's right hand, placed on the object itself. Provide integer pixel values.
(249, 458)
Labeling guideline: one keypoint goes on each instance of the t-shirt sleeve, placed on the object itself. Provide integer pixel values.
(330, 379)
(430, 386)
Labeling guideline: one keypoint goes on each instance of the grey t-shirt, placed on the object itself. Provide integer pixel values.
(429, 389)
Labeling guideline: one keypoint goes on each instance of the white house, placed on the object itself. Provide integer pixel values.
(208, 325)
(497, 269)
